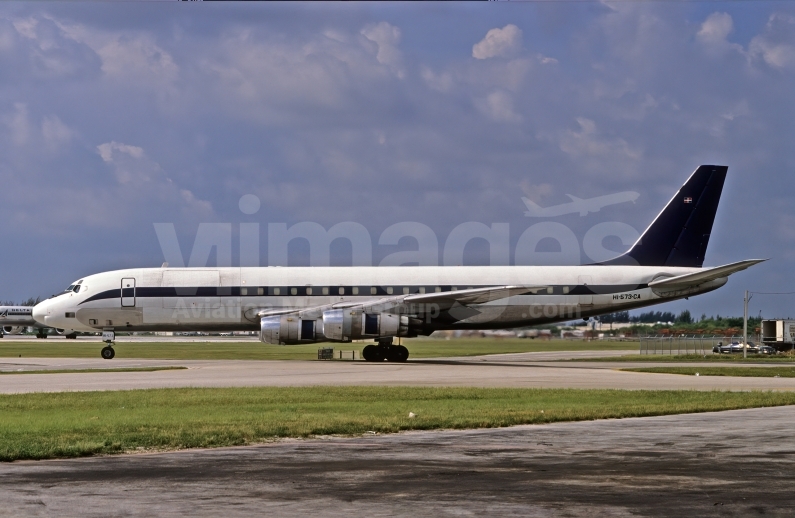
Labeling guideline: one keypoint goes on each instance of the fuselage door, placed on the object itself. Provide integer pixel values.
(128, 292)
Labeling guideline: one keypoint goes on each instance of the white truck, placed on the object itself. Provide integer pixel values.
(779, 334)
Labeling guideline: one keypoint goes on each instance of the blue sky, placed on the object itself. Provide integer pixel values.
(114, 117)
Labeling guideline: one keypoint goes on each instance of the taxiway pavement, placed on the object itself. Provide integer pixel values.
(507, 370)
(735, 463)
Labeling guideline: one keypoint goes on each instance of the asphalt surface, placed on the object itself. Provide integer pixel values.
(736, 463)
(502, 370)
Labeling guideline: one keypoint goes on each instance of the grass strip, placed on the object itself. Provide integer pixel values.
(746, 372)
(73, 424)
(74, 371)
(709, 357)
(254, 350)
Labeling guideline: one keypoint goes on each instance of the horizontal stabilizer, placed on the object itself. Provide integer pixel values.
(706, 275)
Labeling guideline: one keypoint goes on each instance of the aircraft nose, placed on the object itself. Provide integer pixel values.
(40, 311)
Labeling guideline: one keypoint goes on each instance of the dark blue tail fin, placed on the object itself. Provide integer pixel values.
(679, 235)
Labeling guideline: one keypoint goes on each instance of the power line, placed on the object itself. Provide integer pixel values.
(772, 292)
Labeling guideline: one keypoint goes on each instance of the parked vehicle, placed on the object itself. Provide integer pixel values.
(767, 349)
(734, 347)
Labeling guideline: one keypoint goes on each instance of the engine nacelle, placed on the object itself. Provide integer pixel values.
(13, 330)
(349, 324)
(70, 333)
(290, 329)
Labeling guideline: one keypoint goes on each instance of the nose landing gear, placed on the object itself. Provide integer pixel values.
(109, 337)
(384, 350)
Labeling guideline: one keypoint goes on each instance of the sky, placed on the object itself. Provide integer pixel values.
(118, 117)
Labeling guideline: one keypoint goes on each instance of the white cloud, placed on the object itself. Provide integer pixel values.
(55, 131)
(442, 82)
(498, 42)
(106, 150)
(499, 106)
(776, 46)
(137, 58)
(546, 60)
(716, 28)
(26, 27)
(387, 38)
(587, 142)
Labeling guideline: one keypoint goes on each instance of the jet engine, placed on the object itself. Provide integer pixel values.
(290, 329)
(13, 330)
(349, 324)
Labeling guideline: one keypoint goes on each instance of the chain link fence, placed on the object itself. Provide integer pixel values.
(684, 344)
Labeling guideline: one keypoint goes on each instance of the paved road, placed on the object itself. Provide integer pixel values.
(511, 370)
(737, 463)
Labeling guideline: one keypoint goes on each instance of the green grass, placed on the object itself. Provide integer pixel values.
(751, 372)
(251, 350)
(679, 358)
(75, 371)
(72, 424)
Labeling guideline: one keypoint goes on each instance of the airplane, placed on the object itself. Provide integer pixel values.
(301, 305)
(15, 319)
(583, 206)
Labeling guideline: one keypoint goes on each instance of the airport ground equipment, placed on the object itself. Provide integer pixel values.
(779, 334)
(305, 305)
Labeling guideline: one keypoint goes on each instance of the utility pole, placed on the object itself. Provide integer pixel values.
(745, 325)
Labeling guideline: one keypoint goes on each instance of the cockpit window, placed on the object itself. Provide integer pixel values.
(74, 287)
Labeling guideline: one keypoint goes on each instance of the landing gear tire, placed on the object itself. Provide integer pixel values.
(397, 353)
(108, 353)
(71, 336)
(41, 336)
(373, 353)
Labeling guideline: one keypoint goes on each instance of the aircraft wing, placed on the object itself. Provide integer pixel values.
(443, 300)
(706, 275)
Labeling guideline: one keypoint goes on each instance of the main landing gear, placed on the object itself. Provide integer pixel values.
(109, 337)
(384, 350)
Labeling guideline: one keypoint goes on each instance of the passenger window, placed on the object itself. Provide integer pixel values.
(405, 290)
(277, 291)
(422, 289)
(293, 291)
(260, 291)
(389, 290)
(373, 290)
(342, 291)
(309, 291)
(549, 291)
(454, 288)
(438, 289)
(565, 289)
(244, 291)
(355, 290)
(325, 291)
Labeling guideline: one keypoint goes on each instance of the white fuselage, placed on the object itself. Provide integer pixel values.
(217, 299)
